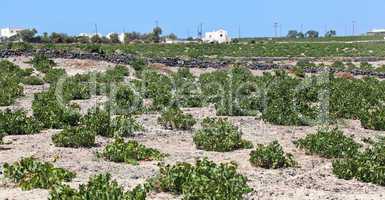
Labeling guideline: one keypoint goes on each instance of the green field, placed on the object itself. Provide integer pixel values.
(261, 48)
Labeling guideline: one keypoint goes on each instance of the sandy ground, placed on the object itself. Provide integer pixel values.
(312, 179)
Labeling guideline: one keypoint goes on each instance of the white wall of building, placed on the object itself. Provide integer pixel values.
(9, 32)
(120, 36)
(219, 36)
(90, 35)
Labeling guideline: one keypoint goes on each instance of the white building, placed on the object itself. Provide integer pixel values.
(219, 36)
(90, 35)
(9, 32)
(121, 36)
(375, 32)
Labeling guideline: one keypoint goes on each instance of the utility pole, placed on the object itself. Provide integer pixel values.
(96, 29)
(275, 29)
(301, 28)
(354, 27)
(239, 32)
(200, 31)
(326, 29)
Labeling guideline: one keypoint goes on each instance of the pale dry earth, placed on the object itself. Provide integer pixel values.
(312, 179)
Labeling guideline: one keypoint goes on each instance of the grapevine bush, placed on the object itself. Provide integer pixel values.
(233, 91)
(2, 135)
(158, 87)
(329, 144)
(219, 135)
(103, 123)
(173, 118)
(187, 91)
(129, 152)
(11, 77)
(271, 156)
(48, 111)
(366, 166)
(74, 137)
(126, 101)
(125, 126)
(53, 75)
(30, 173)
(374, 118)
(42, 63)
(116, 74)
(205, 180)
(32, 80)
(100, 187)
(18, 123)
(285, 103)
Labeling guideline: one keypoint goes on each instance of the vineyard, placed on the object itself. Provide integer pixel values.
(143, 131)
(234, 50)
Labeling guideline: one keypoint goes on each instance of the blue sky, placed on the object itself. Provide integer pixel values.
(254, 17)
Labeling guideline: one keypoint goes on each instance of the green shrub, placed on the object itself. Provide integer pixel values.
(380, 69)
(7, 67)
(17, 123)
(271, 156)
(350, 98)
(100, 187)
(74, 137)
(126, 101)
(102, 123)
(373, 118)
(53, 75)
(206, 180)
(30, 173)
(285, 104)
(329, 144)
(173, 118)
(366, 66)
(116, 74)
(125, 126)
(99, 121)
(299, 72)
(233, 91)
(338, 65)
(155, 83)
(129, 152)
(2, 135)
(187, 91)
(11, 76)
(10, 89)
(212, 85)
(305, 63)
(219, 135)
(367, 166)
(48, 111)
(139, 66)
(76, 87)
(32, 80)
(20, 46)
(42, 63)
(158, 87)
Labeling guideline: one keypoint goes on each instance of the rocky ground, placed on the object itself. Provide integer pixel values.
(312, 179)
